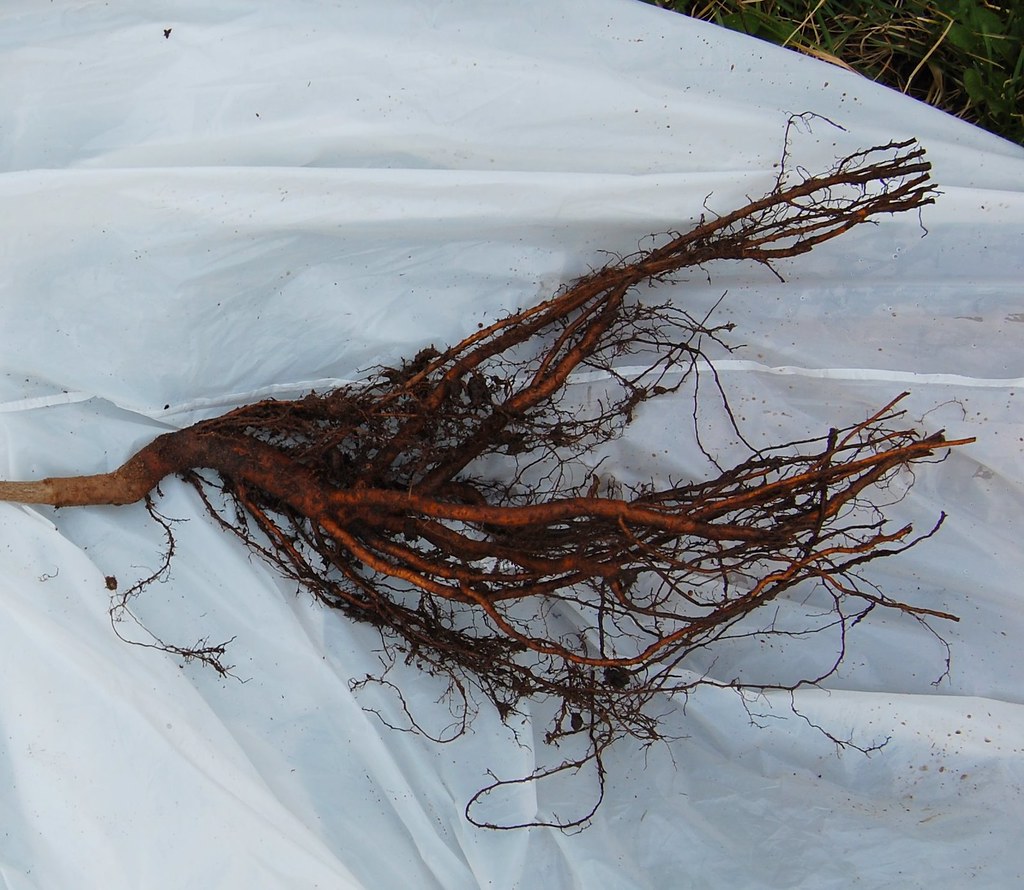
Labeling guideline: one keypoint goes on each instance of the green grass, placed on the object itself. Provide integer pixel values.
(963, 56)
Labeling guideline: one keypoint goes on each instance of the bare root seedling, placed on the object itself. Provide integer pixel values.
(377, 499)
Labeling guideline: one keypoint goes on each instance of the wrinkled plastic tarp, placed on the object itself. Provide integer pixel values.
(207, 203)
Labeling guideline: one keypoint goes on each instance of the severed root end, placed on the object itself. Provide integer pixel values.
(125, 485)
(72, 491)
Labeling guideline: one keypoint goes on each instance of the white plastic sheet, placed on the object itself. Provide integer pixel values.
(203, 203)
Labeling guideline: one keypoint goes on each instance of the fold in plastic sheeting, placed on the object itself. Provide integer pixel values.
(205, 204)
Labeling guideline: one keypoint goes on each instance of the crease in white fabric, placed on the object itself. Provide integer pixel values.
(883, 375)
(65, 397)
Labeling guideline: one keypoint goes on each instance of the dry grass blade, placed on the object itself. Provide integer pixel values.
(963, 56)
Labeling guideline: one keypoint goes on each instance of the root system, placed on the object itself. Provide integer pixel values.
(445, 501)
